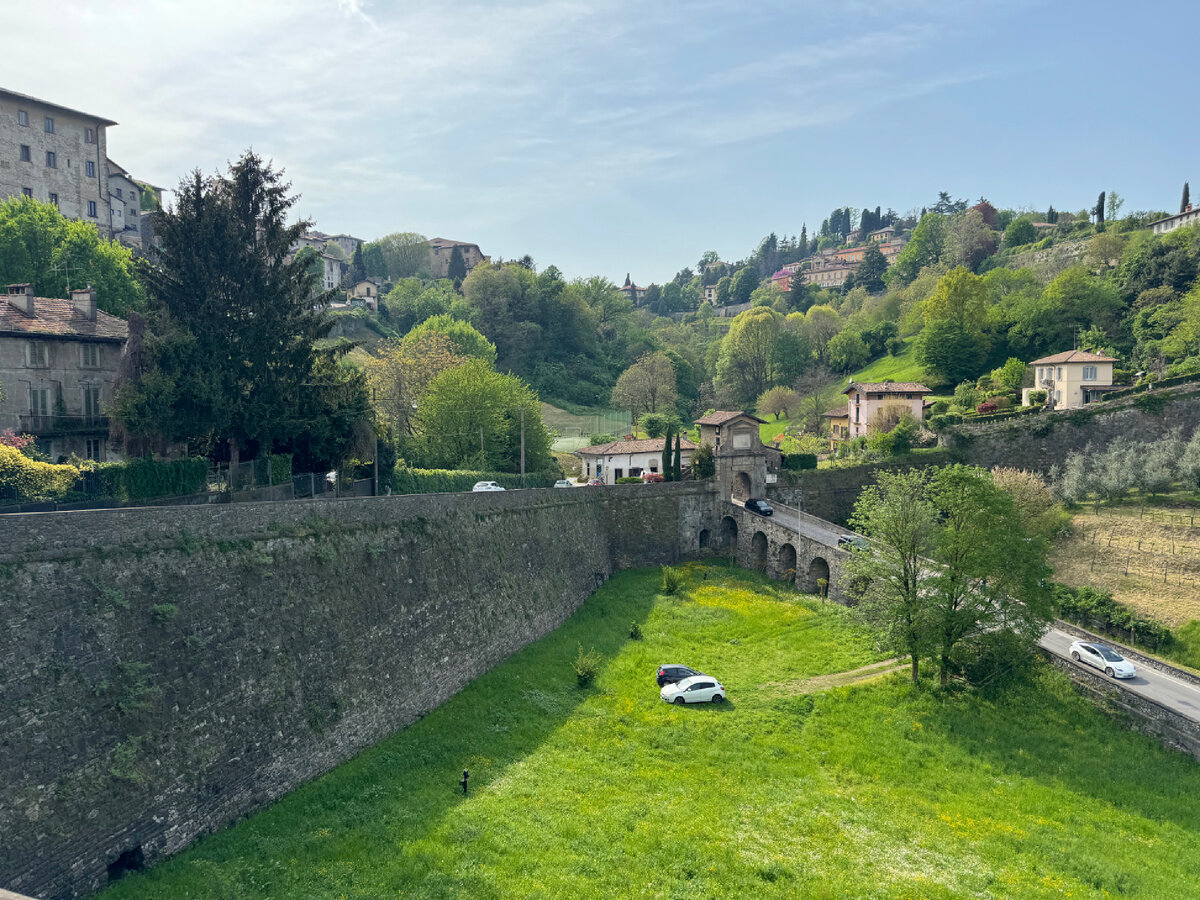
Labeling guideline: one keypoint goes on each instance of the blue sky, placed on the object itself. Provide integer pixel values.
(608, 137)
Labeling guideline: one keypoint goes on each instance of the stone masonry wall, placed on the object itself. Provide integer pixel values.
(166, 672)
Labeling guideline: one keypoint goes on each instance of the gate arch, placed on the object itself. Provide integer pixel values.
(703, 538)
(742, 486)
(758, 551)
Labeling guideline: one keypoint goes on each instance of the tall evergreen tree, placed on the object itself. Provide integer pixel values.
(677, 469)
(358, 268)
(1051, 215)
(666, 454)
(804, 239)
(456, 270)
(1098, 212)
(1185, 200)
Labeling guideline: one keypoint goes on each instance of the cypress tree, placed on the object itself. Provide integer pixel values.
(1099, 211)
(666, 454)
(677, 471)
(1185, 200)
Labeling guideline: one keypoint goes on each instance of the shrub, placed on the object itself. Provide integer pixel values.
(281, 468)
(986, 408)
(703, 463)
(1037, 398)
(25, 479)
(635, 631)
(939, 408)
(1098, 611)
(671, 581)
(894, 346)
(798, 461)
(587, 666)
(162, 613)
(653, 477)
(629, 479)
(601, 438)
(1001, 401)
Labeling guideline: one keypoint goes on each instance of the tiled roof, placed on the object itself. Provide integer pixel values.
(888, 387)
(652, 445)
(1071, 356)
(446, 242)
(836, 413)
(721, 416)
(56, 317)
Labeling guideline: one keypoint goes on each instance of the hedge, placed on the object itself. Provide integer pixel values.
(441, 481)
(1098, 611)
(22, 478)
(796, 462)
(144, 479)
(1142, 388)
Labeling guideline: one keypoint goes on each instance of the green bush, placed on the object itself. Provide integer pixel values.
(442, 481)
(281, 468)
(1037, 398)
(1098, 611)
(795, 462)
(22, 478)
(587, 666)
(671, 581)
(629, 479)
(635, 631)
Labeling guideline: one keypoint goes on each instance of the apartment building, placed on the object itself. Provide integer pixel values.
(57, 155)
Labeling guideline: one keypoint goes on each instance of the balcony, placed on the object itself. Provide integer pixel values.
(50, 426)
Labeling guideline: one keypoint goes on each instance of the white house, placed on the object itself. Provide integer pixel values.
(628, 459)
(1072, 378)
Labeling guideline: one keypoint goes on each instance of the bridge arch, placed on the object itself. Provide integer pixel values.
(742, 486)
(786, 562)
(729, 533)
(818, 570)
(703, 538)
(758, 551)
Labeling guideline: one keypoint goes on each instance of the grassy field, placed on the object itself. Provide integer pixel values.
(798, 786)
(1147, 557)
(896, 368)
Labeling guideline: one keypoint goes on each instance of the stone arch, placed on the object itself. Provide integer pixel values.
(758, 551)
(729, 532)
(742, 486)
(786, 562)
(703, 538)
(817, 569)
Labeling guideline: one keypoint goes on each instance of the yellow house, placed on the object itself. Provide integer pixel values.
(1072, 379)
(839, 426)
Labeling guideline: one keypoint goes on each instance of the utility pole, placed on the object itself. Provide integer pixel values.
(481, 457)
(522, 446)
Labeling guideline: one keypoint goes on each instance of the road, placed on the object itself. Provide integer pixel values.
(1180, 696)
(810, 526)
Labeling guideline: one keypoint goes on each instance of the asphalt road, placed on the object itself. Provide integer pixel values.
(1180, 696)
(816, 529)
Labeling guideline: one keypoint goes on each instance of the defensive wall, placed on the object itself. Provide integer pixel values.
(165, 672)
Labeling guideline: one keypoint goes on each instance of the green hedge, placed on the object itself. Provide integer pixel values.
(24, 479)
(796, 462)
(441, 481)
(144, 479)
(1098, 611)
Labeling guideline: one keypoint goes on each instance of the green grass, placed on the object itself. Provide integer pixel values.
(771, 429)
(877, 790)
(576, 426)
(896, 368)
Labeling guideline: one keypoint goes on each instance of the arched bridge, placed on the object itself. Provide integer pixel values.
(789, 545)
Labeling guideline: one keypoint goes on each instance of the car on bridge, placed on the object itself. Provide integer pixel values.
(1103, 657)
(486, 486)
(762, 507)
(853, 542)
(697, 689)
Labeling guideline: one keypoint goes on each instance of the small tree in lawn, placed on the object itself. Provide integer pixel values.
(776, 401)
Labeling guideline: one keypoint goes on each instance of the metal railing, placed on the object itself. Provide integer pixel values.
(63, 424)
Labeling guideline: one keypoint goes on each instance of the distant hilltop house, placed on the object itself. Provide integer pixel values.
(1189, 216)
(59, 155)
(1072, 379)
(629, 458)
(831, 267)
(369, 291)
(636, 294)
(58, 361)
(863, 400)
(441, 250)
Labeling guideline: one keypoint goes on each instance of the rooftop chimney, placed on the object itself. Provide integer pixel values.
(21, 296)
(84, 302)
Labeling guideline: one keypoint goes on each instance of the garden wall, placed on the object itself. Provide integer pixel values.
(167, 671)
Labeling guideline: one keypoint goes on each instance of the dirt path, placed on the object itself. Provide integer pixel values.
(840, 679)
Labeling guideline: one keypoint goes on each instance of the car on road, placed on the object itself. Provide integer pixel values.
(853, 542)
(1103, 657)
(562, 482)
(594, 482)
(673, 672)
(762, 507)
(696, 689)
(486, 486)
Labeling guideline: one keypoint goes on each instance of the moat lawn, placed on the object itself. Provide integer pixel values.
(796, 787)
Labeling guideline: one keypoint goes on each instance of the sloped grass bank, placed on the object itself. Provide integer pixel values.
(873, 790)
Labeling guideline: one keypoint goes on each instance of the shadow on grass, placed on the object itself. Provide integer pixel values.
(399, 790)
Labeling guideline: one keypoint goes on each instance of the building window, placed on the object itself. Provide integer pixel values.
(49, 125)
(119, 196)
(89, 135)
(91, 401)
(51, 159)
(90, 169)
(39, 401)
(22, 118)
(91, 355)
(1089, 373)
(35, 354)
(1060, 373)
(94, 449)
(26, 153)
(54, 199)
(92, 208)
(28, 192)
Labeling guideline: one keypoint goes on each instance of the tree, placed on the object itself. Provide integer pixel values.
(970, 241)
(472, 404)
(1186, 200)
(405, 254)
(1098, 212)
(724, 288)
(646, 386)
(1019, 231)
(776, 401)
(1052, 215)
(1010, 375)
(744, 283)
(793, 354)
(677, 468)
(374, 262)
(924, 249)
(703, 463)
(456, 269)
(962, 298)
(655, 424)
(229, 359)
(870, 271)
(820, 324)
(465, 339)
(358, 268)
(847, 351)
(398, 375)
(746, 364)
(897, 516)
(39, 246)
(1115, 202)
(312, 262)
(798, 296)
(948, 352)
(810, 389)
(666, 469)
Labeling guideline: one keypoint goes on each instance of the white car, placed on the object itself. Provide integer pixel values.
(1103, 657)
(562, 482)
(486, 486)
(697, 689)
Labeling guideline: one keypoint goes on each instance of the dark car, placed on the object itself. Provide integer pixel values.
(671, 673)
(762, 507)
(853, 542)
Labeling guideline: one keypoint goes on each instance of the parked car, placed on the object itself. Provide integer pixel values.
(1103, 657)
(486, 486)
(697, 689)
(652, 477)
(762, 507)
(562, 482)
(595, 482)
(673, 672)
(853, 542)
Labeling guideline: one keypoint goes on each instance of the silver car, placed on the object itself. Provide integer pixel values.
(1104, 658)
(697, 689)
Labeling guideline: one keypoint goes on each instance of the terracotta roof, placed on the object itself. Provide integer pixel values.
(446, 242)
(836, 413)
(1071, 356)
(721, 416)
(651, 445)
(888, 387)
(55, 317)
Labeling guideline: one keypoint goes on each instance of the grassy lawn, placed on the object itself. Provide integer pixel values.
(771, 429)
(897, 368)
(796, 787)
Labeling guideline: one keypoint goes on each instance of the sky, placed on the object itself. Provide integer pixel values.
(609, 136)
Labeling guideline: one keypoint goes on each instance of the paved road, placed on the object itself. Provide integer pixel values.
(811, 527)
(1177, 695)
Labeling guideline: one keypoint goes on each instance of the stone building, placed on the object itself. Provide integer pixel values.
(346, 243)
(865, 399)
(629, 459)
(57, 155)
(58, 361)
(744, 464)
(125, 206)
(440, 251)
